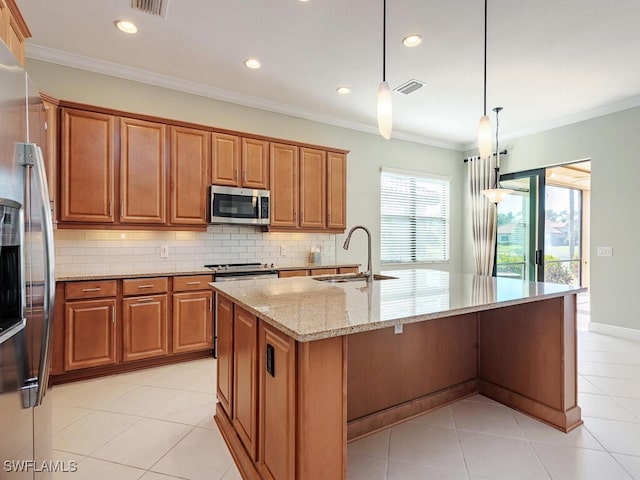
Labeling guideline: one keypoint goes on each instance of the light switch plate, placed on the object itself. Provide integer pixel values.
(164, 251)
(283, 250)
(398, 329)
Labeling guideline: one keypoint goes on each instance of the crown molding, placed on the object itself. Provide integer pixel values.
(59, 57)
(626, 104)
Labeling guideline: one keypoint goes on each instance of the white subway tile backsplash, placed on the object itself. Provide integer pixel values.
(89, 251)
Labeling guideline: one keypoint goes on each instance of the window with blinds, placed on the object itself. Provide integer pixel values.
(414, 218)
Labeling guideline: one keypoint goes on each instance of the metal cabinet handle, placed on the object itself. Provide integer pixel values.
(193, 283)
(97, 289)
(235, 175)
(210, 304)
(245, 176)
(146, 299)
(146, 286)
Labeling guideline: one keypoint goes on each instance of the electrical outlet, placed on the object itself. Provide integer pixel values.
(605, 251)
(164, 251)
(283, 250)
(398, 329)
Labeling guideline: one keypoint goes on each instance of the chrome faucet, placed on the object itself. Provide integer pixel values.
(369, 272)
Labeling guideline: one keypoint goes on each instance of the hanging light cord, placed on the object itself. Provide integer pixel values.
(485, 57)
(384, 41)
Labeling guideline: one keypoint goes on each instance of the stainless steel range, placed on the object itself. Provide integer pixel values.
(243, 271)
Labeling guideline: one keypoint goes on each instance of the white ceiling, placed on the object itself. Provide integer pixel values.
(550, 62)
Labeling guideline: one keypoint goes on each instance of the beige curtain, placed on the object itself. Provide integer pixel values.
(481, 177)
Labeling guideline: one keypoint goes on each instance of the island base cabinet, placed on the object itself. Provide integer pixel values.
(245, 352)
(291, 423)
(277, 407)
(224, 364)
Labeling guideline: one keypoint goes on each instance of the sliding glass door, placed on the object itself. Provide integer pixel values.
(540, 226)
(520, 236)
(563, 235)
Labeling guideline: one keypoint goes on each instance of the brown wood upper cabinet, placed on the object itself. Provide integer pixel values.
(13, 29)
(284, 185)
(307, 189)
(239, 162)
(143, 172)
(336, 190)
(87, 168)
(313, 188)
(189, 176)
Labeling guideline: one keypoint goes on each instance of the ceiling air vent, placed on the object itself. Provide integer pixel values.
(408, 87)
(154, 7)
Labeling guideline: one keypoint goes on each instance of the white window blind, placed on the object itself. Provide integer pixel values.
(414, 218)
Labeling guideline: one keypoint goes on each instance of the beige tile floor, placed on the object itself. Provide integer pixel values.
(157, 424)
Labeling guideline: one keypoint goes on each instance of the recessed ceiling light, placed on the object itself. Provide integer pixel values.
(412, 40)
(126, 26)
(252, 63)
(343, 90)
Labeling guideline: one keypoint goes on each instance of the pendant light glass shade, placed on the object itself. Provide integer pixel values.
(484, 137)
(385, 114)
(496, 195)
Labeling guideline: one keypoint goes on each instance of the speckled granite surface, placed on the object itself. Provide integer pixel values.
(87, 276)
(307, 309)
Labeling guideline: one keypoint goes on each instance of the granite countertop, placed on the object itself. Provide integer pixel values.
(307, 309)
(202, 271)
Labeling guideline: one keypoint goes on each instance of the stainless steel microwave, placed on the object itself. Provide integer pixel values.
(239, 205)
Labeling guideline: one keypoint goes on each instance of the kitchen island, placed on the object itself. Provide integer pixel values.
(304, 365)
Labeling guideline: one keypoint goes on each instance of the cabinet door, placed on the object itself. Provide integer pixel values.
(87, 167)
(225, 159)
(284, 185)
(255, 163)
(192, 321)
(144, 322)
(336, 190)
(277, 404)
(189, 176)
(143, 179)
(224, 347)
(245, 346)
(90, 333)
(313, 188)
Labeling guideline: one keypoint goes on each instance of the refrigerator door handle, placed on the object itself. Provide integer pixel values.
(33, 155)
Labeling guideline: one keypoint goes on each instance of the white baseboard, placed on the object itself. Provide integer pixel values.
(613, 330)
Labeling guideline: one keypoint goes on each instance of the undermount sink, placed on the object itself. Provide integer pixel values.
(351, 277)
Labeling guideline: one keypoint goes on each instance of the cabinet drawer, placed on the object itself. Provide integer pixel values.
(191, 282)
(348, 270)
(293, 273)
(90, 289)
(323, 271)
(145, 286)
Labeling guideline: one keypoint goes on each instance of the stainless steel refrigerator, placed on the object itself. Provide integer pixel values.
(26, 283)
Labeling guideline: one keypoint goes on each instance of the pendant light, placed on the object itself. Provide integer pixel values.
(484, 130)
(384, 93)
(497, 194)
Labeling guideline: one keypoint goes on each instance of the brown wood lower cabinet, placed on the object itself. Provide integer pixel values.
(245, 340)
(275, 395)
(224, 364)
(103, 327)
(277, 437)
(192, 321)
(144, 322)
(90, 327)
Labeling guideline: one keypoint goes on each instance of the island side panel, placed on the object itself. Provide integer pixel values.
(527, 359)
(321, 443)
(392, 377)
